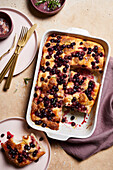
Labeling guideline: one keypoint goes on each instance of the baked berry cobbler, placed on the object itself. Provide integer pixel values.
(60, 84)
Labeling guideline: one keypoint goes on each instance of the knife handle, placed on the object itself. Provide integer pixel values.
(10, 75)
(6, 68)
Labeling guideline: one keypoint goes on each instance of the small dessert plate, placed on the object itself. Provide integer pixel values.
(18, 127)
(29, 51)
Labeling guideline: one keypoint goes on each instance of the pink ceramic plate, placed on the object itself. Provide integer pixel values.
(18, 127)
(29, 51)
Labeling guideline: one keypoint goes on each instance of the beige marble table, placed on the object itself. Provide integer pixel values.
(96, 16)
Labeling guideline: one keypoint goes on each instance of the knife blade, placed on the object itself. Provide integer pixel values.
(29, 33)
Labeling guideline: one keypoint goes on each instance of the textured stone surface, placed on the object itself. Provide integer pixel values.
(96, 16)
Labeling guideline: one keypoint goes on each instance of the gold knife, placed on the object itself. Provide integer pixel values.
(8, 65)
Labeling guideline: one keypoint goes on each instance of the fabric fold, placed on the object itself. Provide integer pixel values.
(102, 137)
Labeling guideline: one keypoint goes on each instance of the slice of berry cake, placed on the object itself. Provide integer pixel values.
(81, 92)
(50, 85)
(88, 54)
(23, 153)
(47, 112)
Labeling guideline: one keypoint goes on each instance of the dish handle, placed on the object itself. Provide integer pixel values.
(57, 136)
(78, 31)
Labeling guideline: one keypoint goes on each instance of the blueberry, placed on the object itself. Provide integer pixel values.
(101, 54)
(32, 145)
(48, 69)
(53, 35)
(77, 54)
(68, 46)
(41, 79)
(74, 99)
(90, 98)
(93, 55)
(64, 69)
(85, 49)
(80, 57)
(47, 63)
(2, 135)
(27, 147)
(20, 159)
(73, 124)
(58, 37)
(67, 66)
(72, 117)
(52, 40)
(48, 57)
(8, 147)
(73, 43)
(13, 156)
(47, 44)
(93, 63)
(81, 43)
(41, 139)
(38, 122)
(69, 57)
(43, 70)
(44, 125)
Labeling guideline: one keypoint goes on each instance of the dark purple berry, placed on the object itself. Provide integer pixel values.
(38, 122)
(20, 159)
(47, 45)
(81, 43)
(27, 147)
(85, 49)
(47, 63)
(35, 153)
(101, 54)
(93, 63)
(48, 57)
(73, 124)
(53, 35)
(44, 125)
(41, 79)
(58, 37)
(72, 117)
(41, 139)
(2, 135)
(64, 69)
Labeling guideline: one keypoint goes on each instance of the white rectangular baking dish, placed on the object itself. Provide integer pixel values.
(85, 124)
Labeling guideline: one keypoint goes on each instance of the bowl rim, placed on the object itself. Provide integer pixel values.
(48, 12)
(3, 36)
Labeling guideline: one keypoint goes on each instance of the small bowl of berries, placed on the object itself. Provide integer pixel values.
(49, 7)
(6, 25)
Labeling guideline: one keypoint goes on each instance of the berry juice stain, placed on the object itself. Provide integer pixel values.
(9, 135)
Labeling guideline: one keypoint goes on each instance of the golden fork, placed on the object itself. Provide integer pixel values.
(20, 45)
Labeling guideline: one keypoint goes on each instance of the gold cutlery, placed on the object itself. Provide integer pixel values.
(12, 62)
(20, 44)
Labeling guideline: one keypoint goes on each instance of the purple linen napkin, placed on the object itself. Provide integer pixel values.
(102, 138)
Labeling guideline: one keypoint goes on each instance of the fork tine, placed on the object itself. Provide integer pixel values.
(21, 33)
